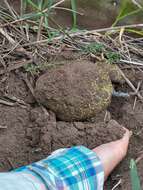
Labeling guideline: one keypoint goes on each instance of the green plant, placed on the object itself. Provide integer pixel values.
(112, 57)
(42, 11)
(135, 181)
(38, 14)
(98, 48)
(36, 69)
(127, 8)
(93, 48)
(32, 69)
(73, 5)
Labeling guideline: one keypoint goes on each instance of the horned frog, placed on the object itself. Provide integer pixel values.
(78, 89)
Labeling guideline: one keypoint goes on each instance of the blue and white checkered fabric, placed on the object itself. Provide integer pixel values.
(76, 168)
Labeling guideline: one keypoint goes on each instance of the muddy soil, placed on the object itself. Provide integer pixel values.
(29, 132)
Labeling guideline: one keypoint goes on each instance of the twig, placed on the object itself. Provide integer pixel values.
(86, 33)
(53, 6)
(107, 29)
(10, 163)
(13, 42)
(9, 38)
(2, 61)
(58, 3)
(131, 62)
(40, 28)
(10, 9)
(12, 49)
(16, 66)
(135, 101)
(70, 10)
(139, 158)
(137, 90)
(30, 87)
(3, 127)
(131, 85)
(139, 132)
(137, 4)
(6, 103)
(13, 98)
(107, 117)
(119, 182)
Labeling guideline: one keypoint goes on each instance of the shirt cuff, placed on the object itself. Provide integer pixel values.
(72, 168)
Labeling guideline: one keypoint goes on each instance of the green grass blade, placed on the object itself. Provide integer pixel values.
(23, 7)
(40, 4)
(31, 15)
(50, 3)
(5, 15)
(135, 181)
(74, 7)
(47, 4)
(127, 8)
(130, 13)
(46, 26)
(34, 6)
(135, 31)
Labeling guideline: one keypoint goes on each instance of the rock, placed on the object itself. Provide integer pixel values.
(75, 91)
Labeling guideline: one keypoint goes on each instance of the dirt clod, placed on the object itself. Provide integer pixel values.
(75, 91)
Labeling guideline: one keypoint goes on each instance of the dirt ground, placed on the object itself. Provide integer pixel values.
(29, 132)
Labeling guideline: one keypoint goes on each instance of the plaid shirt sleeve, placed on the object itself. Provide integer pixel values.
(76, 168)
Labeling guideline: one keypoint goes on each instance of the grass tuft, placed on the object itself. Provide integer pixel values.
(127, 8)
